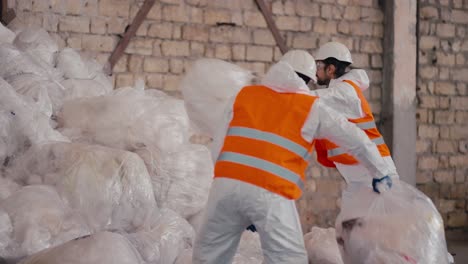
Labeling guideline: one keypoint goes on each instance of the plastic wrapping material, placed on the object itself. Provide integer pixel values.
(22, 124)
(74, 67)
(6, 35)
(15, 62)
(40, 219)
(102, 248)
(207, 89)
(47, 94)
(84, 88)
(248, 252)
(5, 232)
(37, 43)
(401, 225)
(31, 79)
(167, 237)
(128, 120)
(7, 188)
(322, 247)
(181, 180)
(110, 188)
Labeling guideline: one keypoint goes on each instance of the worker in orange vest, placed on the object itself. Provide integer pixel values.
(344, 94)
(261, 154)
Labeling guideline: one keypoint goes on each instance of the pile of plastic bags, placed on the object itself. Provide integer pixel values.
(89, 174)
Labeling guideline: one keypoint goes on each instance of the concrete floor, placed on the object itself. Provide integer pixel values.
(460, 249)
(457, 243)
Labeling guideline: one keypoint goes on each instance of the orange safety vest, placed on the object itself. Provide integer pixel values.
(263, 145)
(328, 152)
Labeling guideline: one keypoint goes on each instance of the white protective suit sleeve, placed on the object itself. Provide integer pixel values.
(324, 122)
(341, 98)
(220, 134)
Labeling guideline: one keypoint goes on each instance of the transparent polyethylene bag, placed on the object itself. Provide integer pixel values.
(207, 89)
(102, 248)
(111, 188)
(401, 225)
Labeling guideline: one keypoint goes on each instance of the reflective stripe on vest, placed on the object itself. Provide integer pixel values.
(262, 165)
(271, 138)
(366, 125)
(340, 151)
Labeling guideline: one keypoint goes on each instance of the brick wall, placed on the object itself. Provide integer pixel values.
(442, 114)
(179, 31)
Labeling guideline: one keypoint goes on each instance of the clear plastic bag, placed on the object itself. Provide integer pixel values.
(401, 225)
(46, 94)
(182, 179)
(40, 219)
(16, 62)
(110, 188)
(73, 67)
(322, 247)
(38, 43)
(102, 248)
(7, 187)
(22, 124)
(166, 238)
(74, 88)
(128, 120)
(207, 88)
(6, 35)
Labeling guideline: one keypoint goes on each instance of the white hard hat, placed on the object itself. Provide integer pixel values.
(302, 62)
(334, 50)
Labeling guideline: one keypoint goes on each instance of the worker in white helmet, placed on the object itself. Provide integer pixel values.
(261, 154)
(344, 94)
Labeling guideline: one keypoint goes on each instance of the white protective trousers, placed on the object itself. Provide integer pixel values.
(234, 205)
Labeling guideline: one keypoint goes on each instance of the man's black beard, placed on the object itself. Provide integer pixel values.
(323, 82)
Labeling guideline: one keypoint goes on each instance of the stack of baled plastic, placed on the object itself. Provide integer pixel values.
(39, 219)
(83, 78)
(128, 118)
(34, 66)
(156, 127)
(401, 225)
(111, 188)
(22, 124)
(89, 174)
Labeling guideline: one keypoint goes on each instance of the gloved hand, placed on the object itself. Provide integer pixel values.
(378, 183)
(252, 228)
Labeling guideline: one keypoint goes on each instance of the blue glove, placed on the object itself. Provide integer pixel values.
(384, 180)
(252, 228)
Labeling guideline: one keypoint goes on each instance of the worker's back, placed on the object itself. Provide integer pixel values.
(264, 145)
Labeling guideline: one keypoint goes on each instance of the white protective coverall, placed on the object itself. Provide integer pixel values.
(341, 97)
(233, 205)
